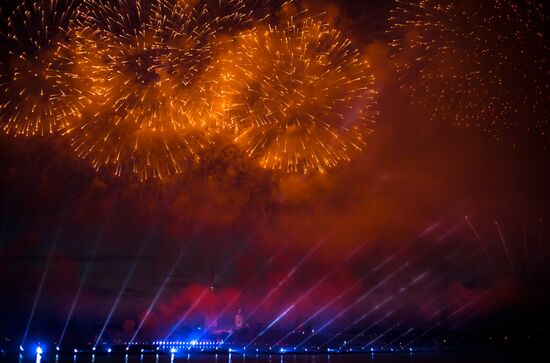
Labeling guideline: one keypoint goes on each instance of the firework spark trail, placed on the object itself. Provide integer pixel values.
(137, 86)
(300, 98)
(39, 90)
(341, 295)
(478, 238)
(275, 288)
(476, 64)
(44, 274)
(506, 251)
(306, 294)
(149, 68)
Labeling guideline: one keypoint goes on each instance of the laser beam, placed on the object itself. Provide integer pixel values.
(283, 281)
(342, 294)
(402, 289)
(84, 277)
(357, 301)
(158, 294)
(237, 296)
(142, 248)
(381, 335)
(305, 294)
(44, 275)
(123, 288)
(80, 287)
(201, 296)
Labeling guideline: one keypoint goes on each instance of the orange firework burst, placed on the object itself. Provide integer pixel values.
(147, 60)
(38, 87)
(299, 98)
(476, 63)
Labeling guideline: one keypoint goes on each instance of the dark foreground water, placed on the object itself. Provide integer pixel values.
(251, 358)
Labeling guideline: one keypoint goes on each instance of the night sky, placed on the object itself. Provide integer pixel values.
(441, 219)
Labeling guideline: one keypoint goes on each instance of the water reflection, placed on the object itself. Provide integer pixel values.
(259, 358)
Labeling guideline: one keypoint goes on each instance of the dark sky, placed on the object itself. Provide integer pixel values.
(241, 229)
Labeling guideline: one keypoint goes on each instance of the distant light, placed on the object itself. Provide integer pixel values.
(109, 350)
(93, 349)
(372, 349)
(21, 348)
(39, 350)
(173, 350)
(75, 350)
(57, 348)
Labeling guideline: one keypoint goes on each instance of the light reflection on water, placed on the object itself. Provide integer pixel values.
(275, 358)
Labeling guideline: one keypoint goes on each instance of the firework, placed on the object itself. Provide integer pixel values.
(223, 15)
(299, 97)
(148, 61)
(476, 63)
(39, 90)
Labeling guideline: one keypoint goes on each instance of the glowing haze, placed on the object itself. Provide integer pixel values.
(166, 163)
